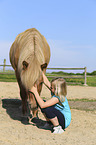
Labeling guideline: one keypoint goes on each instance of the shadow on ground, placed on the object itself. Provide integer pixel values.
(14, 110)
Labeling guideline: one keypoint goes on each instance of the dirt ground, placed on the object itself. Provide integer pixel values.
(15, 130)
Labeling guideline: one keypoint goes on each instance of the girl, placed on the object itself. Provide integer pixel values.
(56, 110)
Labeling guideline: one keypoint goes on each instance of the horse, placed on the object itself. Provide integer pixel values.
(29, 56)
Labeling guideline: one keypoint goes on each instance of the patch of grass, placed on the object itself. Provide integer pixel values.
(82, 100)
(70, 81)
(91, 80)
(82, 109)
(7, 78)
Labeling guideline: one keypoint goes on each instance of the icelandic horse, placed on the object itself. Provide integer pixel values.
(29, 56)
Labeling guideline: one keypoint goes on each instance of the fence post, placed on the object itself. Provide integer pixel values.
(4, 65)
(85, 76)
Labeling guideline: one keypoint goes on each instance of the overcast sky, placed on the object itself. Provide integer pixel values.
(68, 25)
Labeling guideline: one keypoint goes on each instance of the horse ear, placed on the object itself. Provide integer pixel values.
(25, 65)
(43, 66)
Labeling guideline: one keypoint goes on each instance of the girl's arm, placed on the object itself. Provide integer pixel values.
(41, 103)
(46, 81)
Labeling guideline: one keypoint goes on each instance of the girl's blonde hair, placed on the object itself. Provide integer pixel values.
(60, 87)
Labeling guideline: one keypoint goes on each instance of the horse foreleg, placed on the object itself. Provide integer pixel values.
(33, 108)
(23, 95)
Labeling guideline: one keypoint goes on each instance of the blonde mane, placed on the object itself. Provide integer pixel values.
(30, 46)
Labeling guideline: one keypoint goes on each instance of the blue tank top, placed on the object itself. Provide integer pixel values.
(65, 110)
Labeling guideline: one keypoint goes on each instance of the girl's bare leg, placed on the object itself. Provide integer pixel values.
(54, 121)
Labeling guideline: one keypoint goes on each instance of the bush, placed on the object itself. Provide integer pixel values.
(92, 73)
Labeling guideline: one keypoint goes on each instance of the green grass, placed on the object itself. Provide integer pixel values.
(74, 79)
(7, 78)
(91, 80)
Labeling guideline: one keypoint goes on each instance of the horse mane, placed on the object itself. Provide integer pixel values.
(31, 52)
(31, 74)
(27, 54)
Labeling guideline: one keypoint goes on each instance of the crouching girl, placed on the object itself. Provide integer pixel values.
(56, 110)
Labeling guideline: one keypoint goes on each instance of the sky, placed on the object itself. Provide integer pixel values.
(68, 25)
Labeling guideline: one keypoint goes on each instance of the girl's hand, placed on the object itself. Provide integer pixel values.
(41, 103)
(46, 81)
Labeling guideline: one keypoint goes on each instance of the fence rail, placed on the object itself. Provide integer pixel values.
(84, 77)
(67, 68)
(85, 71)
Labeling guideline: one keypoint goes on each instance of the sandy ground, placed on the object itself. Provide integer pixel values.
(14, 131)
